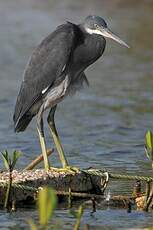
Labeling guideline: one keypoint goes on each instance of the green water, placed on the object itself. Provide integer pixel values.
(101, 126)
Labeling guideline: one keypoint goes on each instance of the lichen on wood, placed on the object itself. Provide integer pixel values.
(59, 180)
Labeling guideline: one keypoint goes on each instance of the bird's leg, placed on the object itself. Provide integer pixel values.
(55, 136)
(51, 123)
(40, 130)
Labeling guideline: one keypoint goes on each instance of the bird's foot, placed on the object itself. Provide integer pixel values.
(67, 169)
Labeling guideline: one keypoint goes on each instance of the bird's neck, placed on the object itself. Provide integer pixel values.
(95, 37)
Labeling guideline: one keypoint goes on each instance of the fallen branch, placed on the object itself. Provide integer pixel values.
(37, 160)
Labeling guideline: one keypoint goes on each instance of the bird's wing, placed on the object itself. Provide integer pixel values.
(45, 66)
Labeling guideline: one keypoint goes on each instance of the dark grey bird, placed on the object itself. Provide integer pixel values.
(56, 68)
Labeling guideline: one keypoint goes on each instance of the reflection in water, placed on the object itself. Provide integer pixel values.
(101, 126)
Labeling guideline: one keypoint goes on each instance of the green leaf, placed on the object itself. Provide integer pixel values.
(80, 212)
(32, 224)
(79, 216)
(47, 201)
(6, 159)
(149, 139)
(16, 155)
(149, 145)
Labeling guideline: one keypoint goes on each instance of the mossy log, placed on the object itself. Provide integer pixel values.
(80, 185)
(22, 181)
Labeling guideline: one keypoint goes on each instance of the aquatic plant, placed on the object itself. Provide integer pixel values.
(78, 214)
(46, 203)
(149, 146)
(9, 164)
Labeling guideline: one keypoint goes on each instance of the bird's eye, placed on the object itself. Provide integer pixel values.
(96, 26)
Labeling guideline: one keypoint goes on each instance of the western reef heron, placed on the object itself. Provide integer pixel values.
(56, 68)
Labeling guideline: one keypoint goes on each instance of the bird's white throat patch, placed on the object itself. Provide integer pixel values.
(90, 31)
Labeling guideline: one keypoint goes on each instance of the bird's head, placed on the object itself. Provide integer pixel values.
(97, 25)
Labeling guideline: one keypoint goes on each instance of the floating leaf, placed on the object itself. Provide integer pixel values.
(47, 201)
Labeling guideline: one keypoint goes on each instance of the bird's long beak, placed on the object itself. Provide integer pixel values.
(109, 34)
